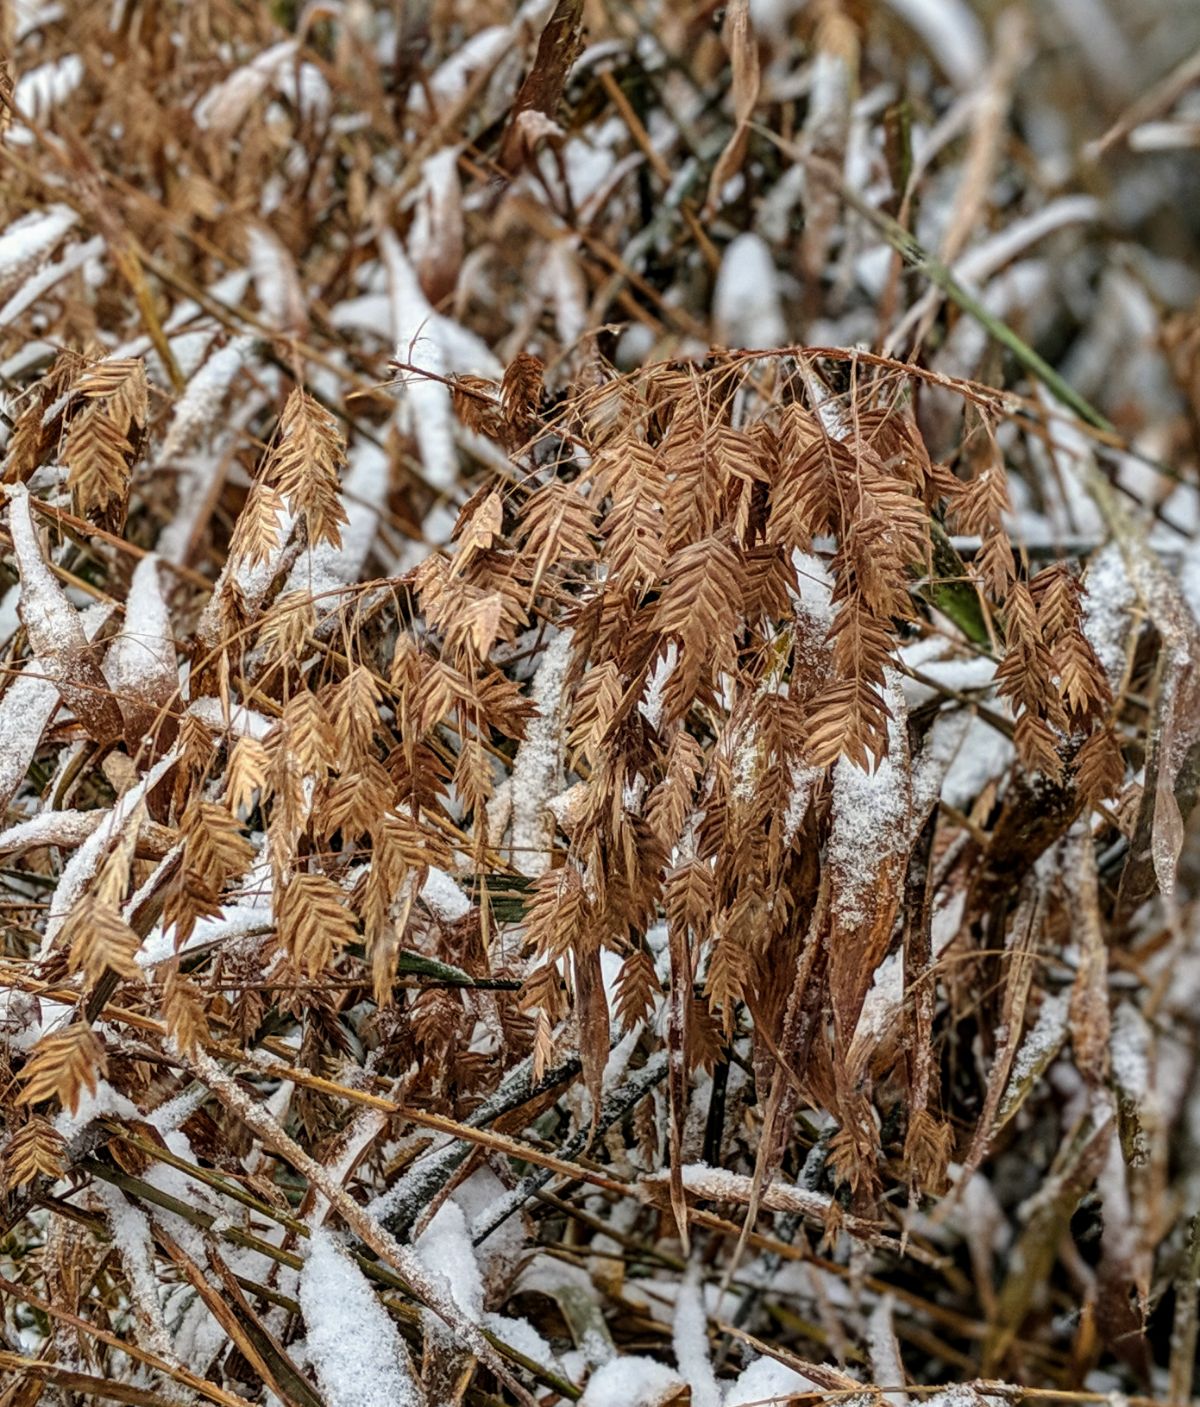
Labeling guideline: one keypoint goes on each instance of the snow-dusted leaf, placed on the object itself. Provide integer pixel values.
(55, 630)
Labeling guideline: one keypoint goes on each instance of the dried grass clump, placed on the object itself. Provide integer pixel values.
(599, 786)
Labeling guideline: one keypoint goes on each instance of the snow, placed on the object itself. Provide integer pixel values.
(500, 1254)
(1121, 1231)
(323, 572)
(1130, 1045)
(62, 828)
(563, 284)
(10, 618)
(234, 921)
(445, 1249)
(351, 1145)
(953, 35)
(28, 240)
(131, 1235)
(744, 761)
(985, 753)
(690, 1340)
(521, 1335)
(414, 332)
(32, 288)
(409, 1196)
(238, 721)
(747, 309)
(764, 1380)
(29, 15)
(83, 864)
(222, 108)
(352, 1343)
(986, 260)
(279, 295)
(39, 90)
(197, 473)
(1108, 598)
(482, 50)
(870, 809)
(69, 1123)
(803, 778)
(651, 705)
(25, 1019)
(631, 1381)
(200, 405)
(441, 892)
(254, 578)
(141, 660)
(47, 615)
(882, 1004)
(930, 658)
(814, 586)
(1189, 577)
(884, 1352)
(1040, 1044)
(938, 753)
(537, 766)
(436, 229)
(26, 707)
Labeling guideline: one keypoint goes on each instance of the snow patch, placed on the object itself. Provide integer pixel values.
(352, 1344)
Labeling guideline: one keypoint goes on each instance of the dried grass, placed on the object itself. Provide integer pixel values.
(606, 864)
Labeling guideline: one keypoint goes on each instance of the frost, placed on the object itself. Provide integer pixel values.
(351, 1342)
